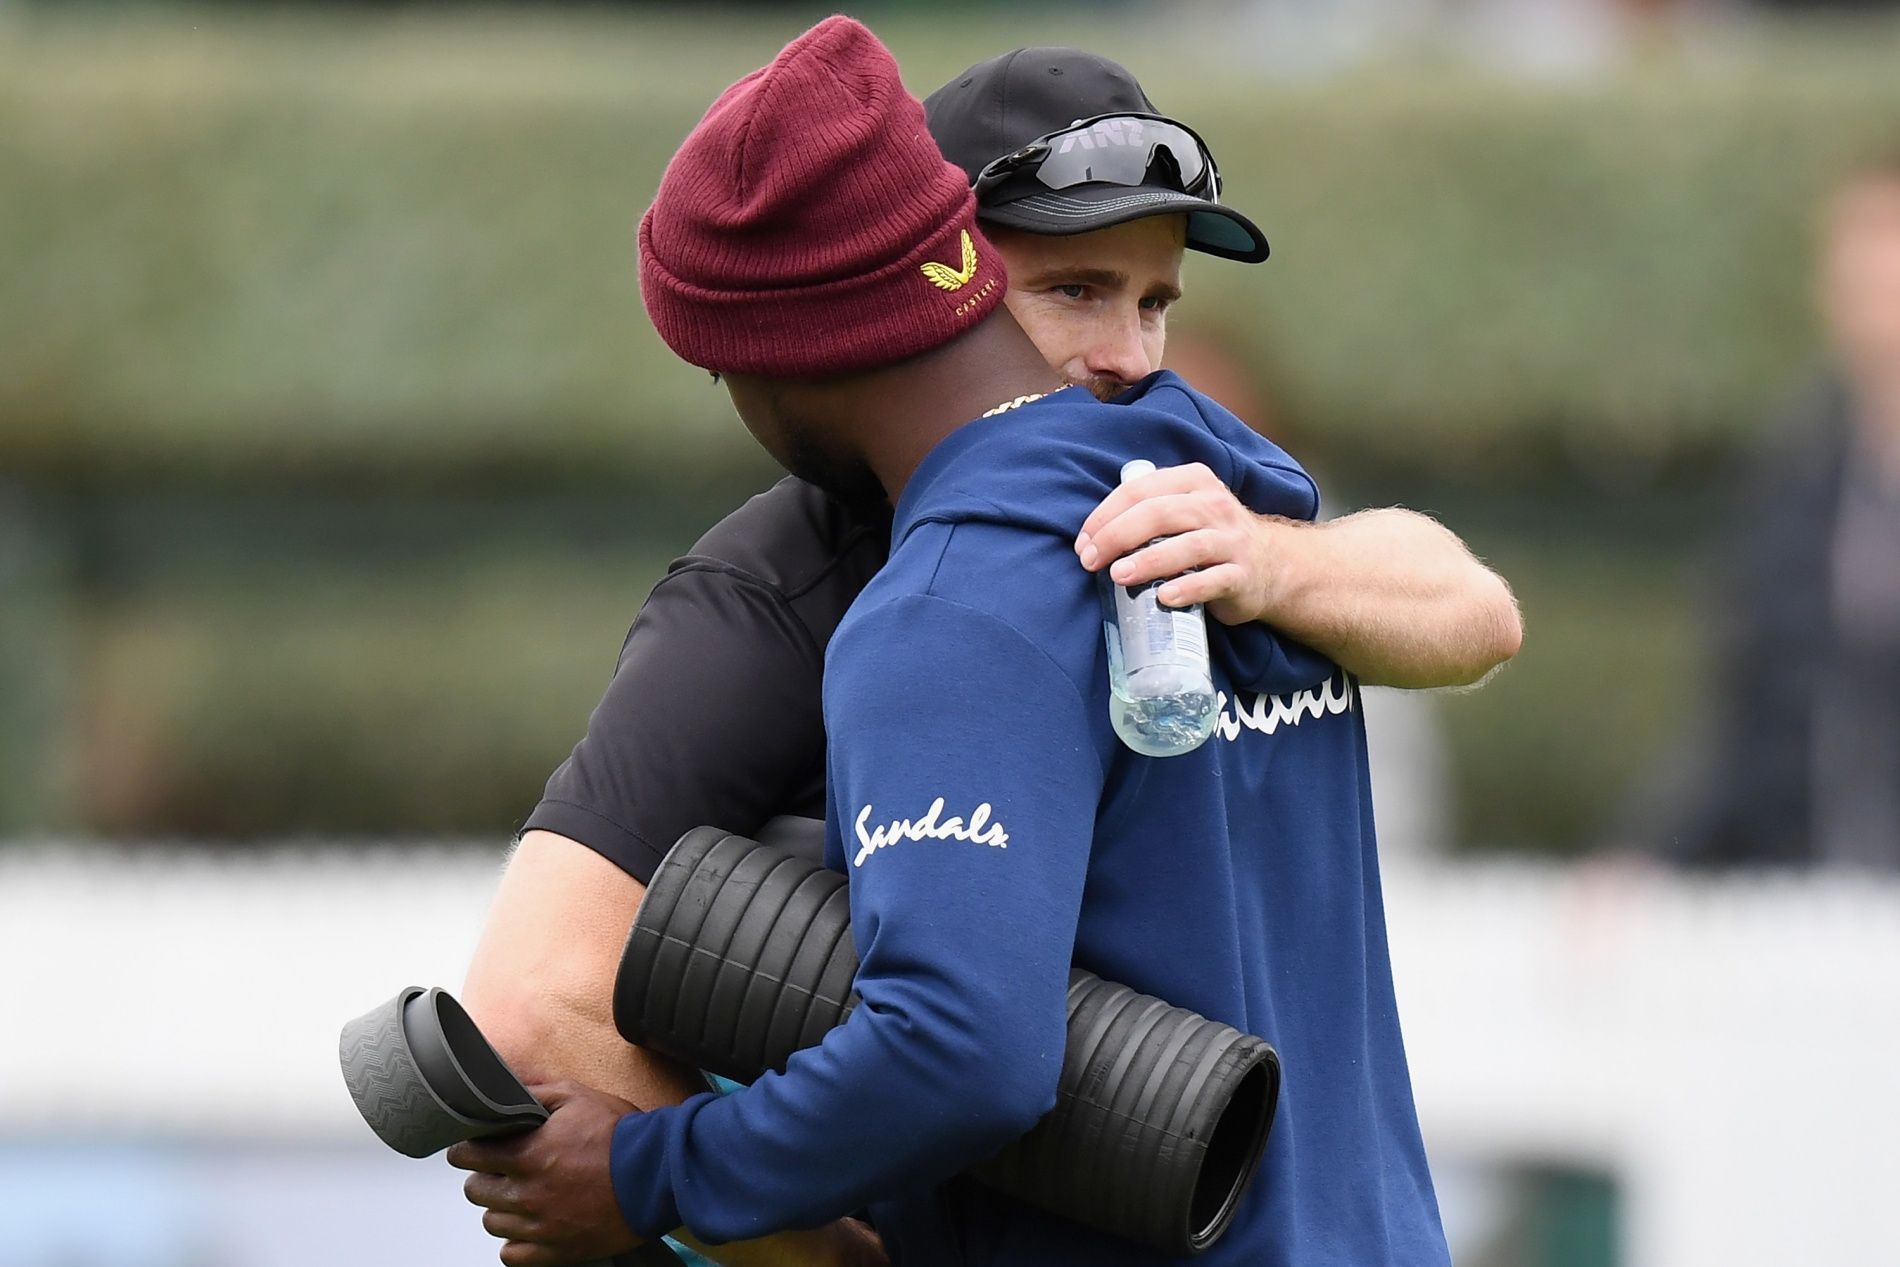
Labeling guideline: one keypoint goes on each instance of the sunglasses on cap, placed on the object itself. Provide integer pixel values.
(1111, 149)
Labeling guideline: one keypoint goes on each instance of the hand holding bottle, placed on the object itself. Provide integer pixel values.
(1161, 692)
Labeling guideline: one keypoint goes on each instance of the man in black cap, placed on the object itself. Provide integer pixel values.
(1093, 197)
(713, 714)
(1086, 172)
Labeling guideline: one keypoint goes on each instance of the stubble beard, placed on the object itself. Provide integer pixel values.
(1100, 386)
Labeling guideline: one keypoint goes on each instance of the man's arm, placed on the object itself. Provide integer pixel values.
(1390, 595)
(967, 766)
(541, 988)
(541, 982)
(712, 718)
(965, 778)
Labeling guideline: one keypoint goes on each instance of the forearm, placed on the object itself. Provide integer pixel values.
(540, 984)
(541, 988)
(1390, 595)
(817, 1142)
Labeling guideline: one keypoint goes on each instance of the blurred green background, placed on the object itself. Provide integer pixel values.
(336, 453)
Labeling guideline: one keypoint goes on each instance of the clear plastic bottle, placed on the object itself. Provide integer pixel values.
(1161, 695)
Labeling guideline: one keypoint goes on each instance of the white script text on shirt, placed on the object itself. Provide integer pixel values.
(979, 830)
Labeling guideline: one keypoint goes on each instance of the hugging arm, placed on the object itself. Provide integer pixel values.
(713, 693)
(1390, 595)
(965, 779)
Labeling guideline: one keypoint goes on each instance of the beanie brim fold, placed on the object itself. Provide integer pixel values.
(836, 327)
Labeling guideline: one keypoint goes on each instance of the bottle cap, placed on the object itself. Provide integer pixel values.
(1136, 469)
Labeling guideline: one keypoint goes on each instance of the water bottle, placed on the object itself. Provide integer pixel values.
(1160, 693)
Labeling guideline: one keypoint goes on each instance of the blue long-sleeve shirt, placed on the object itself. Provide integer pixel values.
(995, 830)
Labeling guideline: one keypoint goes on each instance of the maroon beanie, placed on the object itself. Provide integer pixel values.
(809, 225)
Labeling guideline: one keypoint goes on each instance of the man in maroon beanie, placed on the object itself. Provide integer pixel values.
(808, 243)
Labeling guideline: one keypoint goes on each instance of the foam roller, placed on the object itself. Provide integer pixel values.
(424, 1077)
(742, 954)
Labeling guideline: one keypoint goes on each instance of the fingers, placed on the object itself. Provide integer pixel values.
(1164, 515)
(1168, 480)
(494, 1157)
(528, 1254)
(494, 1192)
(1178, 554)
(506, 1225)
(506, 1218)
(1211, 586)
(553, 1095)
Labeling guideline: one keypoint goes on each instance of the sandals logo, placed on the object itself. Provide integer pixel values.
(978, 831)
(1267, 713)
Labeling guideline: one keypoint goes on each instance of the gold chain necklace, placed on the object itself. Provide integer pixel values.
(1008, 405)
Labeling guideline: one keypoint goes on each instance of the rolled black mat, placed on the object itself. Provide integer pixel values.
(742, 954)
(424, 1077)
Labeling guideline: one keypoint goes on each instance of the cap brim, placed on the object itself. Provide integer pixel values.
(1211, 227)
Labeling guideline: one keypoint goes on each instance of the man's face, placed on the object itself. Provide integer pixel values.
(1860, 276)
(1096, 304)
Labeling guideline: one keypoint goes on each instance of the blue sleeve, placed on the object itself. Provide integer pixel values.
(1256, 657)
(964, 783)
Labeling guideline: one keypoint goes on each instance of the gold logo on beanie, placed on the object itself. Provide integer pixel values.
(944, 277)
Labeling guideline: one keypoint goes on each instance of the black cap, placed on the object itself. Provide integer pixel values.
(998, 106)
